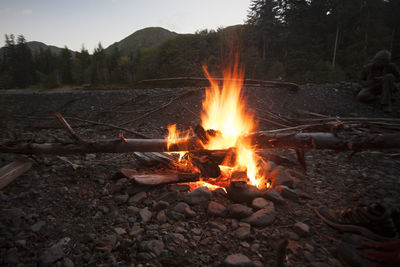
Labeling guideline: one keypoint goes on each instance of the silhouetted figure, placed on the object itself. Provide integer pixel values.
(379, 80)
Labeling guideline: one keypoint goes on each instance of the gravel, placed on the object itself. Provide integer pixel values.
(77, 210)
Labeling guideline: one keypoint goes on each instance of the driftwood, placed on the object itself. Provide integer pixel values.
(13, 170)
(262, 140)
(159, 178)
(322, 140)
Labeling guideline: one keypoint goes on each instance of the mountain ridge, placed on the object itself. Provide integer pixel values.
(143, 38)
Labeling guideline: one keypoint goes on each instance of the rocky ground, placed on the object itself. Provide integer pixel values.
(78, 210)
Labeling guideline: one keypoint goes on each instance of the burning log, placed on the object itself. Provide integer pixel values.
(262, 140)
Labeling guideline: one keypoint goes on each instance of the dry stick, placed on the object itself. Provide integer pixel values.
(87, 121)
(68, 127)
(149, 113)
(195, 114)
(312, 113)
(272, 122)
(110, 125)
(158, 108)
(251, 81)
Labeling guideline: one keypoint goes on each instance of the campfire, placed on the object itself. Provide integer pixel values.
(224, 156)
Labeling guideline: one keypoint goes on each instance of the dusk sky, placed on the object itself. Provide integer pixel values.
(74, 23)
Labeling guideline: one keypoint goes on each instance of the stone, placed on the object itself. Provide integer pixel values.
(51, 255)
(136, 230)
(255, 247)
(20, 243)
(239, 211)
(106, 243)
(37, 226)
(155, 246)
(170, 196)
(184, 208)
(119, 231)
(217, 225)
(179, 187)
(301, 229)
(67, 262)
(174, 215)
(262, 217)
(132, 210)
(145, 214)
(199, 195)
(138, 197)
(144, 256)
(287, 193)
(195, 231)
(11, 258)
(216, 209)
(237, 260)
(162, 217)
(259, 203)
(293, 236)
(280, 177)
(121, 199)
(243, 232)
(103, 209)
(273, 195)
(240, 192)
(219, 192)
(160, 205)
(12, 217)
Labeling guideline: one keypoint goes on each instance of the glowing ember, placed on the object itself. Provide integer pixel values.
(210, 186)
(224, 111)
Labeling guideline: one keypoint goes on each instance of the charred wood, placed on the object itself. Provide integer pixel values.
(160, 178)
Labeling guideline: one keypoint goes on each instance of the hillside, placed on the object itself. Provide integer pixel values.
(35, 46)
(144, 38)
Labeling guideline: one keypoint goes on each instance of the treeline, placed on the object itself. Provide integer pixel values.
(293, 40)
(324, 40)
(20, 67)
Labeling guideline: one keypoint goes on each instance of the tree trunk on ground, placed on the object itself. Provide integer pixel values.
(262, 140)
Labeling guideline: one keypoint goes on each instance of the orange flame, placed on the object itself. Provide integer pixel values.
(224, 110)
(173, 135)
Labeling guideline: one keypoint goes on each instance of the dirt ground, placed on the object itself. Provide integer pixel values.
(76, 210)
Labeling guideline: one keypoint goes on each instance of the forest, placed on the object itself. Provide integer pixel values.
(300, 41)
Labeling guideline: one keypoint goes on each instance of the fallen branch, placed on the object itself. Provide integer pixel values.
(13, 170)
(245, 81)
(262, 140)
(110, 125)
(180, 95)
(66, 125)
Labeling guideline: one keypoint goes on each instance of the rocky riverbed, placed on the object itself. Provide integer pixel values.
(78, 210)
